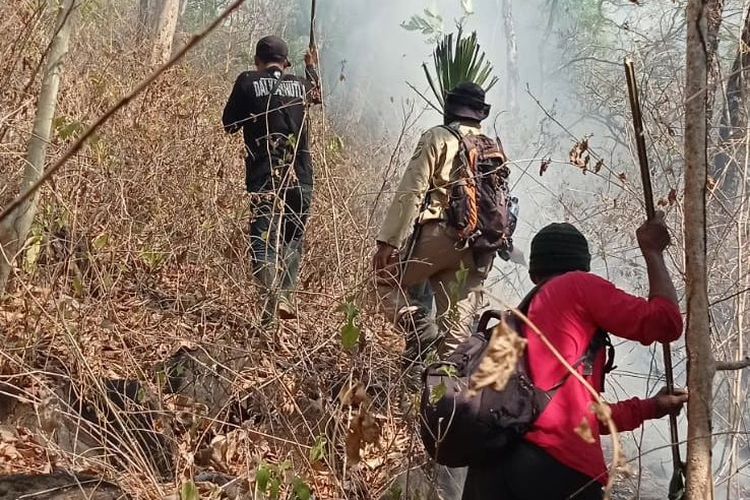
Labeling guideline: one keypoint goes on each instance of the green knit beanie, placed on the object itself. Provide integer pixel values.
(559, 248)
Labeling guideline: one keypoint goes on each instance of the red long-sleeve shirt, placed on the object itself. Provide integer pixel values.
(569, 310)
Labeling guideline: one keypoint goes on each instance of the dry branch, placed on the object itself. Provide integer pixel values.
(725, 366)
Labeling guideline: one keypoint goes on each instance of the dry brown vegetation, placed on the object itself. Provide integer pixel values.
(138, 258)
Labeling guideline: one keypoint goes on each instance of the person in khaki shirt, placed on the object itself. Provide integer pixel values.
(416, 245)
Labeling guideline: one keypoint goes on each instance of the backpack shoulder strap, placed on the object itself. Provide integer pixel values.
(454, 132)
(509, 315)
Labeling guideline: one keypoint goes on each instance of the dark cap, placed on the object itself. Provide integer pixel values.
(467, 100)
(272, 49)
(557, 249)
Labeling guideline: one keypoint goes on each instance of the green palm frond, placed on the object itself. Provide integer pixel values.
(458, 58)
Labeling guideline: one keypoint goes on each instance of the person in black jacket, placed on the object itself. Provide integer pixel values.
(270, 107)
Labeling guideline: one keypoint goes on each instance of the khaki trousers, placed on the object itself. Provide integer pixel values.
(456, 279)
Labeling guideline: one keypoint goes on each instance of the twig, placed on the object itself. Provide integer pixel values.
(424, 98)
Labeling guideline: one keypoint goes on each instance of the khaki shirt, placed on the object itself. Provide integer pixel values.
(428, 172)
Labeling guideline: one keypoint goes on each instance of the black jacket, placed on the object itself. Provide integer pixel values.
(274, 126)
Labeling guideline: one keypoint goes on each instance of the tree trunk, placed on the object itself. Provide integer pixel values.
(15, 228)
(511, 56)
(701, 366)
(165, 30)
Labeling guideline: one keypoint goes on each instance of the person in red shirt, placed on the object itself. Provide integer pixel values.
(553, 461)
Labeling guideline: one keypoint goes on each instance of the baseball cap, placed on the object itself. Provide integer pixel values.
(272, 49)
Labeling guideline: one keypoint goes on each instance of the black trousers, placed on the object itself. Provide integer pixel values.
(527, 472)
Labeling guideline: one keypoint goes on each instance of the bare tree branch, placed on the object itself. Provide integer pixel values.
(725, 366)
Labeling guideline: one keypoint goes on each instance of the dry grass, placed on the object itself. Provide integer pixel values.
(139, 254)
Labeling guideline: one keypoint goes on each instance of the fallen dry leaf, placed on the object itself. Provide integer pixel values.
(364, 430)
(603, 412)
(505, 348)
(546, 162)
(584, 431)
(354, 395)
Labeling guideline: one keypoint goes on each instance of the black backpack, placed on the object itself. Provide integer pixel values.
(458, 430)
(479, 206)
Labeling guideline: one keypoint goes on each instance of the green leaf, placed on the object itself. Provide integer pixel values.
(350, 310)
(395, 492)
(462, 276)
(458, 58)
(78, 286)
(292, 141)
(33, 251)
(67, 129)
(274, 488)
(318, 451)
(100, 241)
(300, 490)
(263, 478)
(438, 392)
(350, 336)
(189, 491)
(152, 259)
(449, 371)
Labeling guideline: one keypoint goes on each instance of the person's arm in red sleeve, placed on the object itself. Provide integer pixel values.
(630, 414)
(657, 319)
(628, 316)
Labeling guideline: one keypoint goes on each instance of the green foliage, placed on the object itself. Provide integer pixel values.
(100, 242)
(350, 332)
(79, 287)
(269, 482)
(153, 259)
(66, 128)
(189, 491)
(336, 144)
(438, 392)
(34, 245)
(458, 58)
(300, 490)
(318, 451)
(449, 371)
(456, 290)
(395, 492)
(430, 24)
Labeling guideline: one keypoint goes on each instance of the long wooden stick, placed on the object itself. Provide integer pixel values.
(312, 25)
(676, 485)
